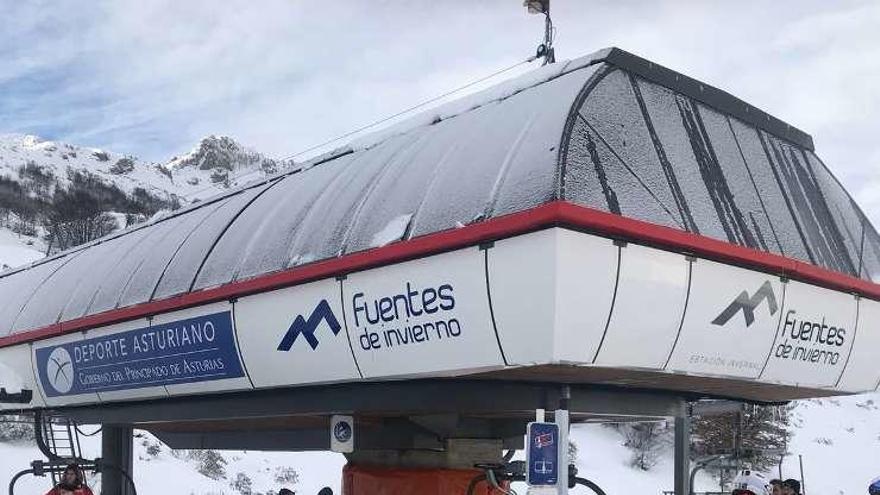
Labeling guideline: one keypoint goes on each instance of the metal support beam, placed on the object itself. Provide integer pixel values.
(389, 434)
(682, 454)
(117, 444)
(410, 398)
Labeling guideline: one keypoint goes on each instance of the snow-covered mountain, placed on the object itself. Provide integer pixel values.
(24, 155)
(214, 164)
(47, 186)
(220, 161)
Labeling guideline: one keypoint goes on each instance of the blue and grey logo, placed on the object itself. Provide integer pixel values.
(307, 328)
(59, 370)
(748, 304)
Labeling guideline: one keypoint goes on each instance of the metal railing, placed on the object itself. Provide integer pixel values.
(58, 439)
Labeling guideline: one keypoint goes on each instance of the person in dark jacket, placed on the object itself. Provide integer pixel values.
(791, 486)
(71, 483)
(775, 487)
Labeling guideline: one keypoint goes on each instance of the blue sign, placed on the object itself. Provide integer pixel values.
(184, 351)
(542, 454)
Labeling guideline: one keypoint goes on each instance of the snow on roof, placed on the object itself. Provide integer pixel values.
(590, 131)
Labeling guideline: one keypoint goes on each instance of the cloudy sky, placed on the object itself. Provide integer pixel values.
(151, 77)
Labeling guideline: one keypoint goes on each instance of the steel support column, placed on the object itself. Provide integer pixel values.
(682, 454)
(117, 444)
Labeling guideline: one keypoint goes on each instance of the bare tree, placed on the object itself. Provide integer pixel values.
(754, 436)
(646, 441)
(76, 218)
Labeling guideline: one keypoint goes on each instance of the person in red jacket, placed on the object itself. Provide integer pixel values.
(71, 483)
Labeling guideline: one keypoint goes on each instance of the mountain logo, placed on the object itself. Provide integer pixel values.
(307, 328)
(748, 304)
(59, 370)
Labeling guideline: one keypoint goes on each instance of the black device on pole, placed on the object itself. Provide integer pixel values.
(545, 49)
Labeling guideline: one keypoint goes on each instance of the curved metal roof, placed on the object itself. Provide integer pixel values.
(609, 131)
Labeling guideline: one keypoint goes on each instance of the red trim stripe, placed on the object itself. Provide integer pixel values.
(558, 213)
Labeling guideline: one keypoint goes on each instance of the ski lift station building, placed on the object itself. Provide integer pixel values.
(603, 223)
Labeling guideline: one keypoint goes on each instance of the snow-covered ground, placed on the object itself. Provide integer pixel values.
(838, 439)
(17, 250)
(169, 474)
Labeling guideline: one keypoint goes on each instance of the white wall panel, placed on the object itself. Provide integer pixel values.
(278, 330)
(522, 279)
(586, 269)
(862, 372)
(427, 316)
(815, 336)
(651, 293)
(730, 322)
(551, 295)
(17, 374)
